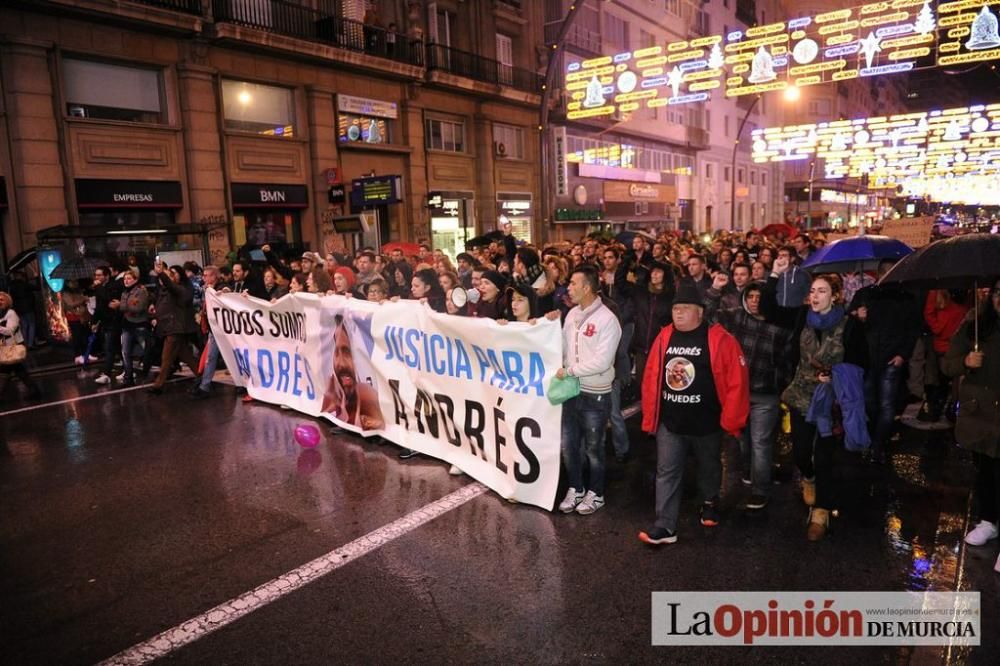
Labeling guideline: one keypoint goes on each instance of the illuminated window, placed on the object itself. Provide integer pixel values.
(445, 135)
(257, 108)
(363, 129)
(113, 92)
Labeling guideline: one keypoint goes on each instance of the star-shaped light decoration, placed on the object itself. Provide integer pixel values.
(675, 78)
(870, 45)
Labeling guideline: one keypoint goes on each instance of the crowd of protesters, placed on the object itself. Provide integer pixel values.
(717, 335)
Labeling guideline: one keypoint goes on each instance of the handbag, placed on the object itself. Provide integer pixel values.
(561, 390)
(13, 354)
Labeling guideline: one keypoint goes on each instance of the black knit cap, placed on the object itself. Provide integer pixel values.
(498, 279)
(687, 292)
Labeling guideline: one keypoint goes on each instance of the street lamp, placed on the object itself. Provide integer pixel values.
(732, 171)
(809, 204)
(791, 94)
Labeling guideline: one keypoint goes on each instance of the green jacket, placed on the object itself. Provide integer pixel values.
(978, 426)
(814, 355)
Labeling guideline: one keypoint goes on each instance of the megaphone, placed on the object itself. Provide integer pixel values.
(460, 296)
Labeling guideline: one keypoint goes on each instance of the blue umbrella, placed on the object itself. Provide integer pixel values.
(859, 253)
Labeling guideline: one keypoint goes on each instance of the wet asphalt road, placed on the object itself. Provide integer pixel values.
(125, 514)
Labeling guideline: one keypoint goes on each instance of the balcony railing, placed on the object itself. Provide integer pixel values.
(186, 6)
(578, 36)
(291, 20)
(477, 68)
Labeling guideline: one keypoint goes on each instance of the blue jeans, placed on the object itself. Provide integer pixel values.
(211, 360)
(130, 334)
(757, 442)
(112, 337)
(619, 434)
(671, 453)
(583, 421)
(881, 393)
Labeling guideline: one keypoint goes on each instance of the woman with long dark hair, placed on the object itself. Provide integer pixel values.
(402, 277)
(425, 286)
(521, 304)
(829, 337)
(174, 321)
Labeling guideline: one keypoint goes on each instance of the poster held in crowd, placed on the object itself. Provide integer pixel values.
(467, 391)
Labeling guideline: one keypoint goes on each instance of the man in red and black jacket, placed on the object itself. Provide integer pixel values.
(695, 387)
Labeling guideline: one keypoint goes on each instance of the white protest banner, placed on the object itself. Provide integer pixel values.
(468, 391)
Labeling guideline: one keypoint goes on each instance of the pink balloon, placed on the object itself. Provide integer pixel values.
(307, 435)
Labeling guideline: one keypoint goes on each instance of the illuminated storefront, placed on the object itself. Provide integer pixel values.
(515, 208)
(452, 221)
(268, 214)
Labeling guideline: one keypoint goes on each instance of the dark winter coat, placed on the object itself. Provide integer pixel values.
(174, 308)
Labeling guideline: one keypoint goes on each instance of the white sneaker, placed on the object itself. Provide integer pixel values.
(93, 359)
(455, 471)
(102, 379)
(983, 532)
(120, 377)
(572, 499)
(996, 567)
(590, 504)
(78, 360)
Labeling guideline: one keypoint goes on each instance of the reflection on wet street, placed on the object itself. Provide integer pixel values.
(128, 514)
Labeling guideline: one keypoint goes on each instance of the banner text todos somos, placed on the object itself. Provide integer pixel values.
(468, 391)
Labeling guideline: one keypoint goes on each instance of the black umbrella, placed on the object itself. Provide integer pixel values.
(21, 259)
(77, 268)
(960, 262)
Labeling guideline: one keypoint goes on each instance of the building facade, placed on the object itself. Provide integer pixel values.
(668, 166)
(219, 123)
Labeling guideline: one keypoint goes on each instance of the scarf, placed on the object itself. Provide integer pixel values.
(825, 322)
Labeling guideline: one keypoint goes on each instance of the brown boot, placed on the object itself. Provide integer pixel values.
(819, 520)
(809, 491)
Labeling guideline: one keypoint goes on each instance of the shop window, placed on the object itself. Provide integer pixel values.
(257, 108)
(508, 141)
(258, 227)
(113, 92)
(445, 135)
(363, 129)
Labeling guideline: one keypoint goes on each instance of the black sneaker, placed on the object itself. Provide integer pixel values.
(658, 536)
(199, 394)
(406, 454)
(709, 515)
(757, 502)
